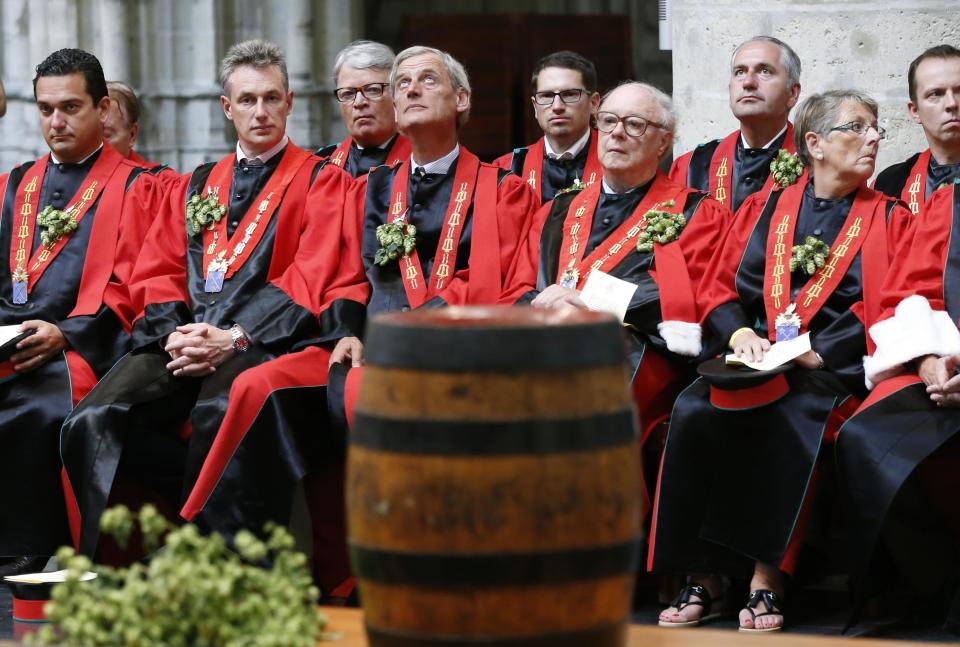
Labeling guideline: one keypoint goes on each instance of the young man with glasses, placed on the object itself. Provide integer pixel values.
(602, 230)
(933, 81)
(564, 98)
(360, 74)
(764, 86)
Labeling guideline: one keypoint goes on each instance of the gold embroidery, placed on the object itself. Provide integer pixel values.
(779, 250)
(913, 191)
(443, 269)
(721, 193)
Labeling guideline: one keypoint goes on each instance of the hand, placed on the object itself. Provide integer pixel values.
(750, 347)
(559, 297)
(197, 349)
(810, 359)
(39, 347)
(943, 382)
(347, 348)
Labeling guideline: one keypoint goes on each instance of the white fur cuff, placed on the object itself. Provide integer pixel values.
(682, 337)
(915, 330)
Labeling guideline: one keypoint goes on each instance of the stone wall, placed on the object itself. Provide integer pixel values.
(865, 44)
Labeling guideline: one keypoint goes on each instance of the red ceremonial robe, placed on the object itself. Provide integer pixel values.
(737, 447)
(359, 162)
(82, 289)
(545, 176)
(275, 295)
(888, 451)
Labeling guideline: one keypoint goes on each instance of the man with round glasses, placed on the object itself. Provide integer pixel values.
(564, 97)
(764, 86)
(360, 74)
(933, 81)
(634, 241)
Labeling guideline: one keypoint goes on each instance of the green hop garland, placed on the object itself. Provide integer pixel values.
(194, 592)
(56, 224)
(577, 185)
(204, 213)
(786, 168)
(810, 256)
(662, 227)
(396, 239)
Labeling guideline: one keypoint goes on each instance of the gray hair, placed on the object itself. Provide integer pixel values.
(363, 55)
(788, 58)
(253, 53)
(668, 114)
(819, 113)
(454, 68)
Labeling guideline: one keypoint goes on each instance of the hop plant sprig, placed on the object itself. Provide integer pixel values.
(396, 239)
(786, 168)
(195, 591)
(56, 224)
(662, 227)
(204, 213)
(810, 256)
(578, 185)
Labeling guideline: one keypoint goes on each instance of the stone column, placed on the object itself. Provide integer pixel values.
(864, 44)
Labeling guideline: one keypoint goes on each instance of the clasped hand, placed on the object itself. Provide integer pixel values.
(197, 349)
(39, 347)
(559, 298)
(940, 376)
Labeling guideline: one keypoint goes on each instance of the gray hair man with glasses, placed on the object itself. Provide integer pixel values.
(564, 97)
(933, 82)
(361, 79)
(633, 243)
(764, 86)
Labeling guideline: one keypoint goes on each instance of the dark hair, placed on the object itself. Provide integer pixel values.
(64, 62)
(569, 61)
(939, 51)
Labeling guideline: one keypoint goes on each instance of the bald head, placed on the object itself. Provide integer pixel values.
(636, 122)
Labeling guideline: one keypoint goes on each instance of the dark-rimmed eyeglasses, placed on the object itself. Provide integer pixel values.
(632, 125)
(567, 96)
(372, 91)
(859, 128)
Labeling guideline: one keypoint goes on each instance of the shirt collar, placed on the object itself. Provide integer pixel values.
(440, 166)
(573, 150)
(769, 143)
(53, 158)
(606, 188)
(266, 155)
(382, 147)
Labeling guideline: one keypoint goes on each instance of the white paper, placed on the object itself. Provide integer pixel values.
(780, 353)
(47, 578)
(8, 332)
(605, 293)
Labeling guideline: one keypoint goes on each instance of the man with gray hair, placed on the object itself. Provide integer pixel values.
(461, 222)
(764, 86)
(633, 243)
(360, 74)
(231, 283)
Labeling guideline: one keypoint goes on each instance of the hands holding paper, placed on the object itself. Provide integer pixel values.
(39, 347)
(558, 297)
(752, 350)
(940, 376)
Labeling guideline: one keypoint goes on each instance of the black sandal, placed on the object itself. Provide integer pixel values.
(682, 601)
(770, 600)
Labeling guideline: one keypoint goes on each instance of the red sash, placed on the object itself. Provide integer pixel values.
(776, 278)
(445, 259)
(915, 188)
(216, 241)
(616, 247)
(721, 166)
(399, 151)
(533, 164)
(26, 210)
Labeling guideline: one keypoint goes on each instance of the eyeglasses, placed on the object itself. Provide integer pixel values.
(372, 91)
(859, 128)
(567, 96)
(633, 126)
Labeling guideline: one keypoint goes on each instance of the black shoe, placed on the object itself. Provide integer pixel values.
(23, 564)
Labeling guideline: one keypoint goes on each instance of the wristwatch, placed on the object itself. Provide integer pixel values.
(240, 340)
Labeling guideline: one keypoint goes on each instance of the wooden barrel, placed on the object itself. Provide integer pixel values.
(493, 480)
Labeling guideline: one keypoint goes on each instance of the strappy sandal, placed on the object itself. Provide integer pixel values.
(682, 601)
(770, 600)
